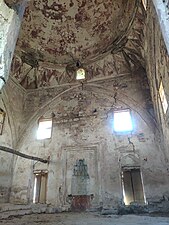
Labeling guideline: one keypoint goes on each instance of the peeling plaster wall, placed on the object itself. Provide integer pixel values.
(157, 69)
(11, 101)
(5, 159)
(30, 68)
(10, 22)
(82, 129)
(62, 32)
(44, 76)
(14, 97)
(162, 9)
(33, 73)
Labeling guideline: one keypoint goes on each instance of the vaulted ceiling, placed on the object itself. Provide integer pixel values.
(104, 35)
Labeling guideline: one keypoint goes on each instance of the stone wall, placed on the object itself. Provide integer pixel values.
(10, 21)
(83, 129)
(5, 159)
(157, 68)
(11, 101)
(162, 10)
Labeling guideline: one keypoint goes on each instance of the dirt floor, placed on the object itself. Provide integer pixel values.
(84, 219)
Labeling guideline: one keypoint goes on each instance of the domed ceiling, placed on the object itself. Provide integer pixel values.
(106, 36)
(62, 31)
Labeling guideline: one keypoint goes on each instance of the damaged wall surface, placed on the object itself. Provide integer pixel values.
(10, 21)
(5, 160)
(83, 129)
(89, 163)
(157, 71)
(12, 104)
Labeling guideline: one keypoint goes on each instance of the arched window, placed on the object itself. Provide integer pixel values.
(2, 120)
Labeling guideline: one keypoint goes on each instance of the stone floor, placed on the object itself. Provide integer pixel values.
(84, 219)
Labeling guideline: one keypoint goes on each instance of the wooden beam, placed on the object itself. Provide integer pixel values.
(12, 151)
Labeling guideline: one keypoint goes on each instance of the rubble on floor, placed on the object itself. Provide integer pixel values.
(70, 218)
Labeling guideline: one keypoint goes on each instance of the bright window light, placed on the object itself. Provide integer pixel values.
(80, 74)
(122, 121)
(34, 190)
(144, 4)
(163, 97)
(44, 130)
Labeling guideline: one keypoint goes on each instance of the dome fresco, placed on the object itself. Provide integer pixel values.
(66, 30)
